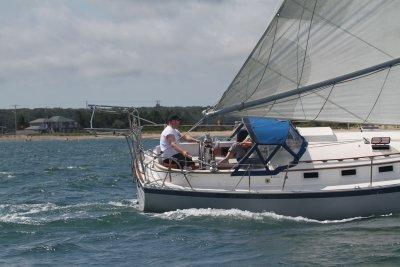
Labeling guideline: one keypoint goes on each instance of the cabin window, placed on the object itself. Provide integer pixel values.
(349, 172)
(310, 175)
(388, 168)
(294, 141)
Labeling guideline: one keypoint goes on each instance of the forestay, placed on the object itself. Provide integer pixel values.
(337, 50)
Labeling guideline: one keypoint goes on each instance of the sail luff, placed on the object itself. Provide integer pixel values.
(270, 24)
(300, 90)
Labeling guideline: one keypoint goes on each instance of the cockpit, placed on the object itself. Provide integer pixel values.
(277, 146)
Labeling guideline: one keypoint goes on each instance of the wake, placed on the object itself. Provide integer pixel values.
(244, 215)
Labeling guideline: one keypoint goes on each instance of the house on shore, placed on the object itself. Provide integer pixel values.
(55, 124)
(3, 130)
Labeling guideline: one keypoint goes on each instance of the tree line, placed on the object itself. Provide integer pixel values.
(190, 115)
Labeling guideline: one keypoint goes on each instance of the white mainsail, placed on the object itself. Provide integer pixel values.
(326, 60)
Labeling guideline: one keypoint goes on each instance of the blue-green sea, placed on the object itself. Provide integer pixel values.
(73, 203)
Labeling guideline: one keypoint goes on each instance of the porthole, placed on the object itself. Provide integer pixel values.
(349, 172)
(388, 168)
(310, 175)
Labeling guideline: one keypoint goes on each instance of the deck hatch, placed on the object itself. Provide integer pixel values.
(380, 143)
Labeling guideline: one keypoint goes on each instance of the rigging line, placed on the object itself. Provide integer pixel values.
(366, 75)
(305, 55)
(270, 108)
(264, 37)
(303, 95)
(326, 100)
(339, 82)
(324, 19)
(194, 126)
(373, 10)
(276, 72)
(342, 108)
(258, 44)
(252, 53)
(298, 45)
(276, 102)
(307, 88)
(269, 57)
(308, 40)
(282, 101)
(379, 95)
(151, 122)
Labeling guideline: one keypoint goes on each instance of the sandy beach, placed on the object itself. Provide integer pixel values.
(74, 137)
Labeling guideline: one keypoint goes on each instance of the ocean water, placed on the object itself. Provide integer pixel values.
(72, 203)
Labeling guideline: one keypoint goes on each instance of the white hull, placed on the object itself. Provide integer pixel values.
(374, 189)
(314, 205)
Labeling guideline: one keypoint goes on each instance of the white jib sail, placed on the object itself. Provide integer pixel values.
(310, 42)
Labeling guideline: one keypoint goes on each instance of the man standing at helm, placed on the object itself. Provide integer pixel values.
(169, 143)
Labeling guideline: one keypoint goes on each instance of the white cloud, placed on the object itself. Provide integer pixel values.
(162, 47)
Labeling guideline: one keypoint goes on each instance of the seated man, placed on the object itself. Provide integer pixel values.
(169, 143)
(239, 149)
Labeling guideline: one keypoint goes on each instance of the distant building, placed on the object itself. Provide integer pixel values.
(3, 130)
(55, 124)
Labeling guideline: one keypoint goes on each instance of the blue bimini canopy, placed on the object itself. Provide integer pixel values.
(277, 146)
(267, 131)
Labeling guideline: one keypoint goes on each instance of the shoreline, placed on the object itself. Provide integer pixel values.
(46, 137)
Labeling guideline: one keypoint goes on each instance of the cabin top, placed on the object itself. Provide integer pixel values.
(317, 134)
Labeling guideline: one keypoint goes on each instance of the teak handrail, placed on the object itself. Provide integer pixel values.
(353, 158)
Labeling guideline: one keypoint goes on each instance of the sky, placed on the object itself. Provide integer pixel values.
(66, 53)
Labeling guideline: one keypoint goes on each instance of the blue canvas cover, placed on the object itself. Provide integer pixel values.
(266, 131)
(277, 147)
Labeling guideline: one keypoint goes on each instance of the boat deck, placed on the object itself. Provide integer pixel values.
(341, 161)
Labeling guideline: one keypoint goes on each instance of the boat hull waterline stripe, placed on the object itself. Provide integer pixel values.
(291, 195)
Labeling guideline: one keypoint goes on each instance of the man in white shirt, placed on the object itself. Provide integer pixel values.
(169, 143)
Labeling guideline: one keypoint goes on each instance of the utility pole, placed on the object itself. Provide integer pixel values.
(15, 119)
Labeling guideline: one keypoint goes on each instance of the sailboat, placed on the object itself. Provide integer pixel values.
(330, 61)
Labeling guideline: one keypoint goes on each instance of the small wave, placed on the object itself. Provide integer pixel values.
(73, 167)
(67, 247)
(39, 214)
(55, 169)
(124, 203)
(22, 214)
(7, 174)
(242, 215)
